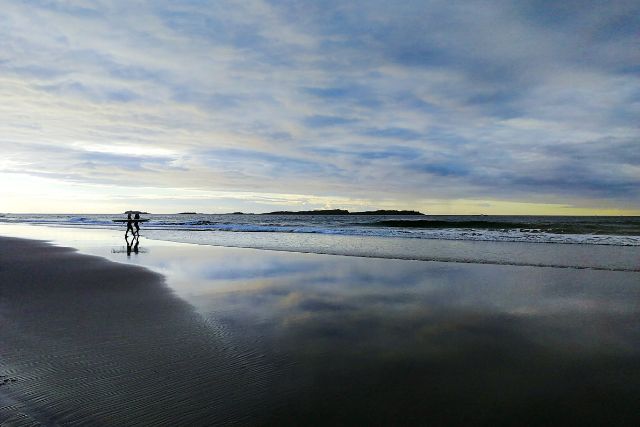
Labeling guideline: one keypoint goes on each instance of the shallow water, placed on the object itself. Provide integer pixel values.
(383, 341)
(599, 257)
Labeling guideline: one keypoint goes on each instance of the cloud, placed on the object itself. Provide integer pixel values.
(318, 121)
(393, 133)
(367, 100)
(271, 164)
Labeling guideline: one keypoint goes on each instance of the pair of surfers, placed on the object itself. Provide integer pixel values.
(131, 223)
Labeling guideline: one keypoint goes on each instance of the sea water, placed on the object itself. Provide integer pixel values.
(610, 230)
(603, 243)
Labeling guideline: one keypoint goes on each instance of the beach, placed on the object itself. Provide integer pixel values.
(88, 341)
(303, 213)
(184, 334)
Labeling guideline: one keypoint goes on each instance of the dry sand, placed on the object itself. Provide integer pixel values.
(88, 341)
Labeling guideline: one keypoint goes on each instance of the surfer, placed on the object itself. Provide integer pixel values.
(136, 224)
(129, 226)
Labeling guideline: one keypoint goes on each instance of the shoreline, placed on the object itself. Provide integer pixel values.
(523, 254)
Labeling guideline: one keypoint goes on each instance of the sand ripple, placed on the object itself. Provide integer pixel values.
(86, 341)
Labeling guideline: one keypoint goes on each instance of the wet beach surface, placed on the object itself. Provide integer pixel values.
(87, 341)
(261, 337)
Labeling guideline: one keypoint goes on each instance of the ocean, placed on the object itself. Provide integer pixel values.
(602, 243)
(594, 230)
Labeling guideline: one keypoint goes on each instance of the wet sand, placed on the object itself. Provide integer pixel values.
(88, 341)
(254, 337)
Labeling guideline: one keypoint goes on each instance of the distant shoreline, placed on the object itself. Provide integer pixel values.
(324, 212)
(346, 212)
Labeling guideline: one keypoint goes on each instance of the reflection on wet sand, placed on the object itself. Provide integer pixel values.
(387, 341)
(280, 338)
(135, 241)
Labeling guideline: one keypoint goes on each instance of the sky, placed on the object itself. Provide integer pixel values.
(447, 107)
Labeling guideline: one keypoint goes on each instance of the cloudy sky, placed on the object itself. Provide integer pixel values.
(216, 106)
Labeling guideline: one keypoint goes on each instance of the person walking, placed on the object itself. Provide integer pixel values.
(129, 226)
(136, 224)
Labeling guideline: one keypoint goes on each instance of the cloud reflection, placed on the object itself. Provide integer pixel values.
(363, 333)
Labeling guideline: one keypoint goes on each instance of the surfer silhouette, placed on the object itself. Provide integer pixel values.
(136, 224)
(129, 226)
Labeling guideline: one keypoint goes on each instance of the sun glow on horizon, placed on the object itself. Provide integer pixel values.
(30, 194)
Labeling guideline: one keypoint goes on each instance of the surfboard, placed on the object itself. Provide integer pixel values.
(125, 220)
